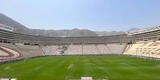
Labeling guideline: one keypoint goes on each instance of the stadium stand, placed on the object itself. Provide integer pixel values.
(20, 51)
(139, 43)
(90, 49)
(145, 34)
(150, 49)
(29, 51)
(116, 48)
(50, 50)
(12, 37)
(84, 49)
(74, 50)
(103, 49)
(144, 42)
(8, 54)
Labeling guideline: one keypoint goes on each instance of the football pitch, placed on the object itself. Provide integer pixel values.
(75, 67)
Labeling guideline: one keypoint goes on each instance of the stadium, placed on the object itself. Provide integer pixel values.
(79, 40)
(131, 56)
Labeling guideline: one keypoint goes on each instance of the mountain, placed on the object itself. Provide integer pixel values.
(10, 22)
(19, 28)
(133, 29)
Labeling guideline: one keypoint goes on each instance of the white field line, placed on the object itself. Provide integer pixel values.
(7, 68)
(70, 66)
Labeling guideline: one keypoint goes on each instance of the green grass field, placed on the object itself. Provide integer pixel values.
(74, 67)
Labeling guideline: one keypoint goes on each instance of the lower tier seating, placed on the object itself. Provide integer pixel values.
(150, 49)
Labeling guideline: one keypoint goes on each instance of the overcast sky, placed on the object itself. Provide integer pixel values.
(97, 15)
